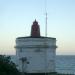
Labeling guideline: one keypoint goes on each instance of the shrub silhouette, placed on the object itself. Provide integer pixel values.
(7, 67)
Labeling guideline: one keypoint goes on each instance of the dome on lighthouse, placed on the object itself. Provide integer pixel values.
(35, 30)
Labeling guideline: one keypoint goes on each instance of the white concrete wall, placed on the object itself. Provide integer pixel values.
(40, 58)
(35, 41)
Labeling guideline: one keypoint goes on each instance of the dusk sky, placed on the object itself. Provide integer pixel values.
(17, 16)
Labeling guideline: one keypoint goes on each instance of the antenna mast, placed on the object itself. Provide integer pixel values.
(45, 18)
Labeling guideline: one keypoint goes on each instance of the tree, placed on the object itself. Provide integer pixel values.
(7, 67)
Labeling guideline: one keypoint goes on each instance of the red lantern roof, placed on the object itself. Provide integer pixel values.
(35, 30)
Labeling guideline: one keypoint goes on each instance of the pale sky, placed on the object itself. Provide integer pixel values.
(17, 16)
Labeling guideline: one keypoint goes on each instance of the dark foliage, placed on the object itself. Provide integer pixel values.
(7, 67)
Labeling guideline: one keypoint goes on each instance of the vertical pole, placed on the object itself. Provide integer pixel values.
(45, 18)
(46, 26)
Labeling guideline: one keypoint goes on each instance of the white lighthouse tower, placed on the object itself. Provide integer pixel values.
(36, 54)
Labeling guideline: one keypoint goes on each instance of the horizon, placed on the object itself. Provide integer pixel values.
(17, 16)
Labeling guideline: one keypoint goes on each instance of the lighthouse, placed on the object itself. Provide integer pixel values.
(35, 53)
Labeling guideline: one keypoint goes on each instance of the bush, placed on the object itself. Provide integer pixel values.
(7, 67)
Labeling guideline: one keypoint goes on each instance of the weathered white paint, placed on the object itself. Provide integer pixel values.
(39, 54)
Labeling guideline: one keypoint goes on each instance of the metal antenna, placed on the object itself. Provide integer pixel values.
(46, 26)
(46, 18)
